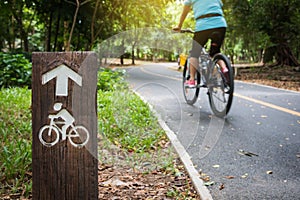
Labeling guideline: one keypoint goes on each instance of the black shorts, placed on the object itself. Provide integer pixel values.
(216, 35)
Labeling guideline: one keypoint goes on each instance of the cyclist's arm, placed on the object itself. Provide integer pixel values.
(185, 11)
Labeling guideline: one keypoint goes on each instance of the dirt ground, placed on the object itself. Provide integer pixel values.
(280, 77)
(158, 174)
(127, 183)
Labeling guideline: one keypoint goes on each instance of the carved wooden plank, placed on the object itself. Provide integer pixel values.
(64, 159)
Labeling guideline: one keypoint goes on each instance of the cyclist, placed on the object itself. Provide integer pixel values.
(65, 115)
(209, 21)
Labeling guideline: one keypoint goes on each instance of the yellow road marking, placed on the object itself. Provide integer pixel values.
(160, 75)
(292, 112)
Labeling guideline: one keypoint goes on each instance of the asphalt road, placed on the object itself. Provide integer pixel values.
(252, 154)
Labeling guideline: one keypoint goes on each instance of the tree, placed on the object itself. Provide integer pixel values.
(19, 15)
(276, 20)
(78, 5)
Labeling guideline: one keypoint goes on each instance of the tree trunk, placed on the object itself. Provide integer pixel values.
(284, 56)
(23, 33)
(122, 51)
(68, 48)
(132, 56)
(122, 59)
(93, 23)
(78, 4)
(48, 42)
(57, 30)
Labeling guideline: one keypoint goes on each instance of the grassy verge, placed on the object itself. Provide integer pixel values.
(15, 137)
(127, 127)
(129, 135)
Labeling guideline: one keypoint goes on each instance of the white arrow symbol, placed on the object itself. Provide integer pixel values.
(62, 73)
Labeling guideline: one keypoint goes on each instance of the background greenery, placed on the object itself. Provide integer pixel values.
(15, 70)
(258, 30)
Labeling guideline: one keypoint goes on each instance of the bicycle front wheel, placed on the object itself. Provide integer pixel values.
(221, 86)
(190, 93)
(78, 136)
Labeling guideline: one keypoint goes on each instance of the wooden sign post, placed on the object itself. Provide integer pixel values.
(64, 126)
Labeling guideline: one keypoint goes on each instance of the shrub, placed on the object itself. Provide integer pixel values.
(15, 70)
(110, 80)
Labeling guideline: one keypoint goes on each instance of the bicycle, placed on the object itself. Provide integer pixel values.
(219, 88)
(49, 134)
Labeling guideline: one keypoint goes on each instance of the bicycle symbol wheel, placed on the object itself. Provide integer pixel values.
(78, 136)
(48, 135)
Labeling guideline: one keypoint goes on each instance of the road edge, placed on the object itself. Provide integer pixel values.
(183, 155)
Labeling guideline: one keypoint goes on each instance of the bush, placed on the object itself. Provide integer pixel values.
(110, 80)
(15, 70)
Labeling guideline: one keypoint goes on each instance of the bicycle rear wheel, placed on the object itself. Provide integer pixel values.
(221, 87)
(190, 93)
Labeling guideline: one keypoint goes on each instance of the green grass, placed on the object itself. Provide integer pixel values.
(127, 121)
(15, 137)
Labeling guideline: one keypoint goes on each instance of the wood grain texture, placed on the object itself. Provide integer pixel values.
(64, 171)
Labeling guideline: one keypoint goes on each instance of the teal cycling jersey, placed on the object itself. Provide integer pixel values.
(204, 7)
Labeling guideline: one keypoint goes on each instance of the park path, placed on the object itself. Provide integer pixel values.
(252, 154)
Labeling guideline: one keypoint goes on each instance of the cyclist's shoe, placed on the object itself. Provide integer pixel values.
(190, 83)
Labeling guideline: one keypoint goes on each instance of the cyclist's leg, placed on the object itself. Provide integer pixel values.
(193, 68)
(199, 40)
(217, 37)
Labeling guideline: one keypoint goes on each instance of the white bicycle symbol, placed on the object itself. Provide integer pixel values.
(49, 134)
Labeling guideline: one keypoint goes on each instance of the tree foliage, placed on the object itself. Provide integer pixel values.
(271, 25)
(257, 29)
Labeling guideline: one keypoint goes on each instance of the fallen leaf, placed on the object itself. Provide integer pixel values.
(207, 147)
(113, 182)
(246, 153)
(245, 175)
(216, 166)
(222, 186)
(229, 177)
(178, 173)
(209, 183)
(205, 178)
